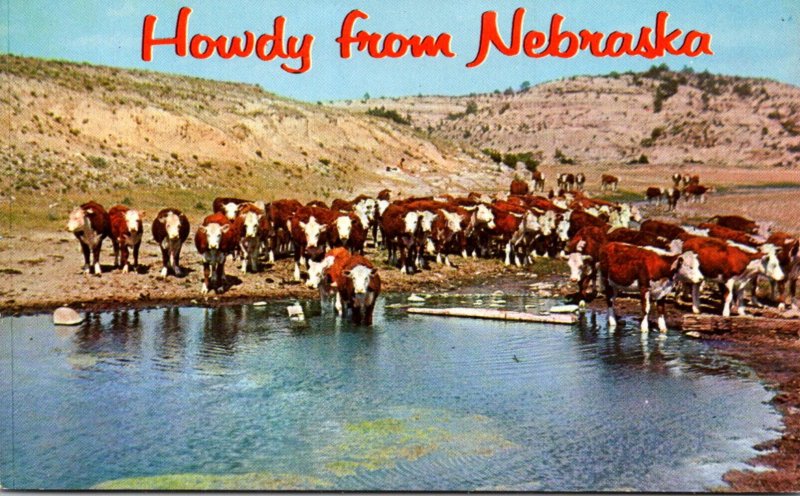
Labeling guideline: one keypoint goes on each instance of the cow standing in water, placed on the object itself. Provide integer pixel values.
(170, 230)
(126, 232)
(90, 225)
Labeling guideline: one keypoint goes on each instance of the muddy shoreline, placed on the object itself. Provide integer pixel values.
(775, 358)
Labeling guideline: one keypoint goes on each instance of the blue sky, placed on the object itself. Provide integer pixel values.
(750, 38)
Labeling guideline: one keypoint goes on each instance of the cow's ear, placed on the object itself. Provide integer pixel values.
(201, 229)
(90, 211)
(162, 220)
(374, 271)
(302, 225)
(346, 273)
(676, 265)
(323, 228)
(225, 228)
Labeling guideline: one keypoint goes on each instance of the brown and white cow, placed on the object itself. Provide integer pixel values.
(607, 181)
(228, 206)
(584, 255)
(519, 187)
(566, 181)
(359, 288)
(580, 180)
(676, 180)
(742, 224)
(400, 228)
(349, 232)
(170, 230)
(788, 253)
(90, 225)
(448, 233)
(740, 237)
(311, 229)
(654, 194)
(538, 181)
(695, 192)
(215, 239)
(327, 274)
(253, 227)
(663, 229)
(643, 239)
(126, 232)
(732, 268)
(672, 195)
(280, 238)
(623, 265)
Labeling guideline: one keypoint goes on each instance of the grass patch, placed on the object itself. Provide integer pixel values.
(620, 196)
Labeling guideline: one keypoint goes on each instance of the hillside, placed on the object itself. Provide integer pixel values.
(671, 118)
(76, 131)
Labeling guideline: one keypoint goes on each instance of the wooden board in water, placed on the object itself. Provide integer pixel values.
(718, 324)
(494, 314)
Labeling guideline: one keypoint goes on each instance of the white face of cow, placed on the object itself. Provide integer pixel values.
(547, 222)
(770, 266)
(411, 221)
(453, 221)
(132, 220)
(77, 219)
(251, 224)
(312, 229)
(484, 215)
(230, 210)
(562, 230)
(426, 219)
(577, 265)
(172, 224)
(360, 275)
(382, 206)
(316, 270)
(676, 246)
(343, 226)
(688, 267)
(214, 235)
(532, 223)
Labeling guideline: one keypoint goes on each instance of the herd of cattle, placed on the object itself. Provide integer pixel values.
(685, 186)
(329, 240)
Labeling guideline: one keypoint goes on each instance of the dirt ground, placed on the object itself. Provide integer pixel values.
(41, 270)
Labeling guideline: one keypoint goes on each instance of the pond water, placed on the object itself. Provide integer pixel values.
(240, 397)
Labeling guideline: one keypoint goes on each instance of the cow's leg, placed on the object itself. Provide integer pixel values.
(254, 257)
(123, 259)
(696, 298)
(87, 264)
(612, 320)
(662, 323)
(164, 261)
(644, 294)
(115, 245)
(438, 257)
(402, 249)
(740, 306)
(245, 257)
(727, 295)
(220, 285)
(338, 304)
(754, 298)
(508, 254)
(96, 258)
(206, 276)
(176, 261)
(298, 250)
(447, 260)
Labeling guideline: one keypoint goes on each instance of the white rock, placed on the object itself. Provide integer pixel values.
(66, 316)
(414, 297)
(564, 309)
(295, 312)
(260, 304)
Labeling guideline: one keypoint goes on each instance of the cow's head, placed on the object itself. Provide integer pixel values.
(769, 264)
(360, 275)
(381, 206)
(764, 229)
(676, 246)
(547, 222)
(687, 267)
(579, 264)
(230, 210)
(312, 230)
(214, 234)
(132, 220)
(484, 215)
(77, 220)
(251, 223)
(344, 225)
(562, 229)
(411, 221)
(172, 224)
(426, 219)
(453, 221)
(316, 270)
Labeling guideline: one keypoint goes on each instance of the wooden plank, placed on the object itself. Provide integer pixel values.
(707, 323)
(495, 314)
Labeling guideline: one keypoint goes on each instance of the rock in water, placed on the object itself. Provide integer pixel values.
(66, 316)
(295, 312)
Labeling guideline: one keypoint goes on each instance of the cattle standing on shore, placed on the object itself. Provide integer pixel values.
(126, 232)
(228, 206)
(311, 229)
(695, 192)
(90, 225)
(676, 180)
(623, 265)
(608, 181)
(672, 196)
(214, 240)
(580, 180)
(566, 181)
(253, 227)
(170, 230)
(654, 194)
(538, 181)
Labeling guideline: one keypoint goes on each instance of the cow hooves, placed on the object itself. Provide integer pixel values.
(164, 272)
(125, 270)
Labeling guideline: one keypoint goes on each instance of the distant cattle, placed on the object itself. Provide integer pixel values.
(538, 181)
(672, 195)
(608, 181)
(695, 192)
(566, 181)
(214, 240)
(126, 233)
(519, 187)
(623, 265)
(732, 268)
(90, 224)
(676, 180)
(654, 194)
(580, 180)
(170, 230)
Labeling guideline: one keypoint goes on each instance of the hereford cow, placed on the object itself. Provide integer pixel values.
(399, 230)
(448, 233)
(519, 187)
(608, 181)
(695, 192)
(742, 224)
(732, 268)
(317, 203)
(566, 181)
(663, 229)
(126, 232)
(327, 274)
(676, 180)
(672, 195)
(580, 180)
(584, 254)
(228, 206)
(623, 265)
(721, 232)
(349, 232)
(90, 225)
(280, 212)
(579, 219)
(359, 288)
(215, 239)
(641, 238)
(654, 194)
(253, 228)
(788, 253)
(310, 228)
(170, 230)
(538, 181)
